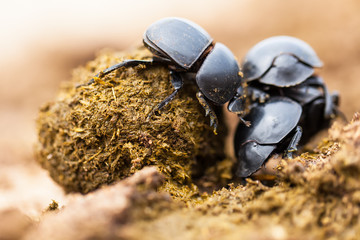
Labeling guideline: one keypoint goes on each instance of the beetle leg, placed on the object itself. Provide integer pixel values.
(335, 100)
(237, 105)
(125, 63)
(294, 142)
(330, 102)
(257, 95)
(177, 83)
(208, 110)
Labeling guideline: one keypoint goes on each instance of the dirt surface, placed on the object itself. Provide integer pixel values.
(30, 76)
(316, 196)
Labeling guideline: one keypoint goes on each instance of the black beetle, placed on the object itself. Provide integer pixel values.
(281, 69)
(283, 62)
(273, 120)
(274, 128)
(184, 47)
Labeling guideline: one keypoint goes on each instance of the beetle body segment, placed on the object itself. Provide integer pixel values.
(178, 39)
(304, 93)
(271, 121)
(318, 105)
(286, 71)
(253, 156)
(263, 55)
(218, 77)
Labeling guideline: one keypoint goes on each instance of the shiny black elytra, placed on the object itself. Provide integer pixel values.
(274, 128)
(281, 61)
(184, 47)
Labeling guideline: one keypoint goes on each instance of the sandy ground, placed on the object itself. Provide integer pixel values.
(42, 42)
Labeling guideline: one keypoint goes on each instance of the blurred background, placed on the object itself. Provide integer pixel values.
(41, 41)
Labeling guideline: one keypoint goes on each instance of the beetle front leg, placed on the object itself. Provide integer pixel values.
(237, 105)
(177, 83)
(125, 63)
(294, 142)
(208, 110)
(330, 104)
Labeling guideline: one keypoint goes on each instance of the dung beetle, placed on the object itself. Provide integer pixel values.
(289, 102)
(283, 62)
(191, 55)
(274, 128)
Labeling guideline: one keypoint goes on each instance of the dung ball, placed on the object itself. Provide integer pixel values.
(97, 134)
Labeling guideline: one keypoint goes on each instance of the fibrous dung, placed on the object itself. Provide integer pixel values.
(96, 134)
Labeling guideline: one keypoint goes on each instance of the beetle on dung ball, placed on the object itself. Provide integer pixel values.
(184, 47)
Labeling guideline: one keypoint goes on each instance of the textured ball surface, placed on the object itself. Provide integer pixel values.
(97, 134)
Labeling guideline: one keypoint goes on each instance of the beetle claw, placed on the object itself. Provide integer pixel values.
(207, 112)
(213, 123)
